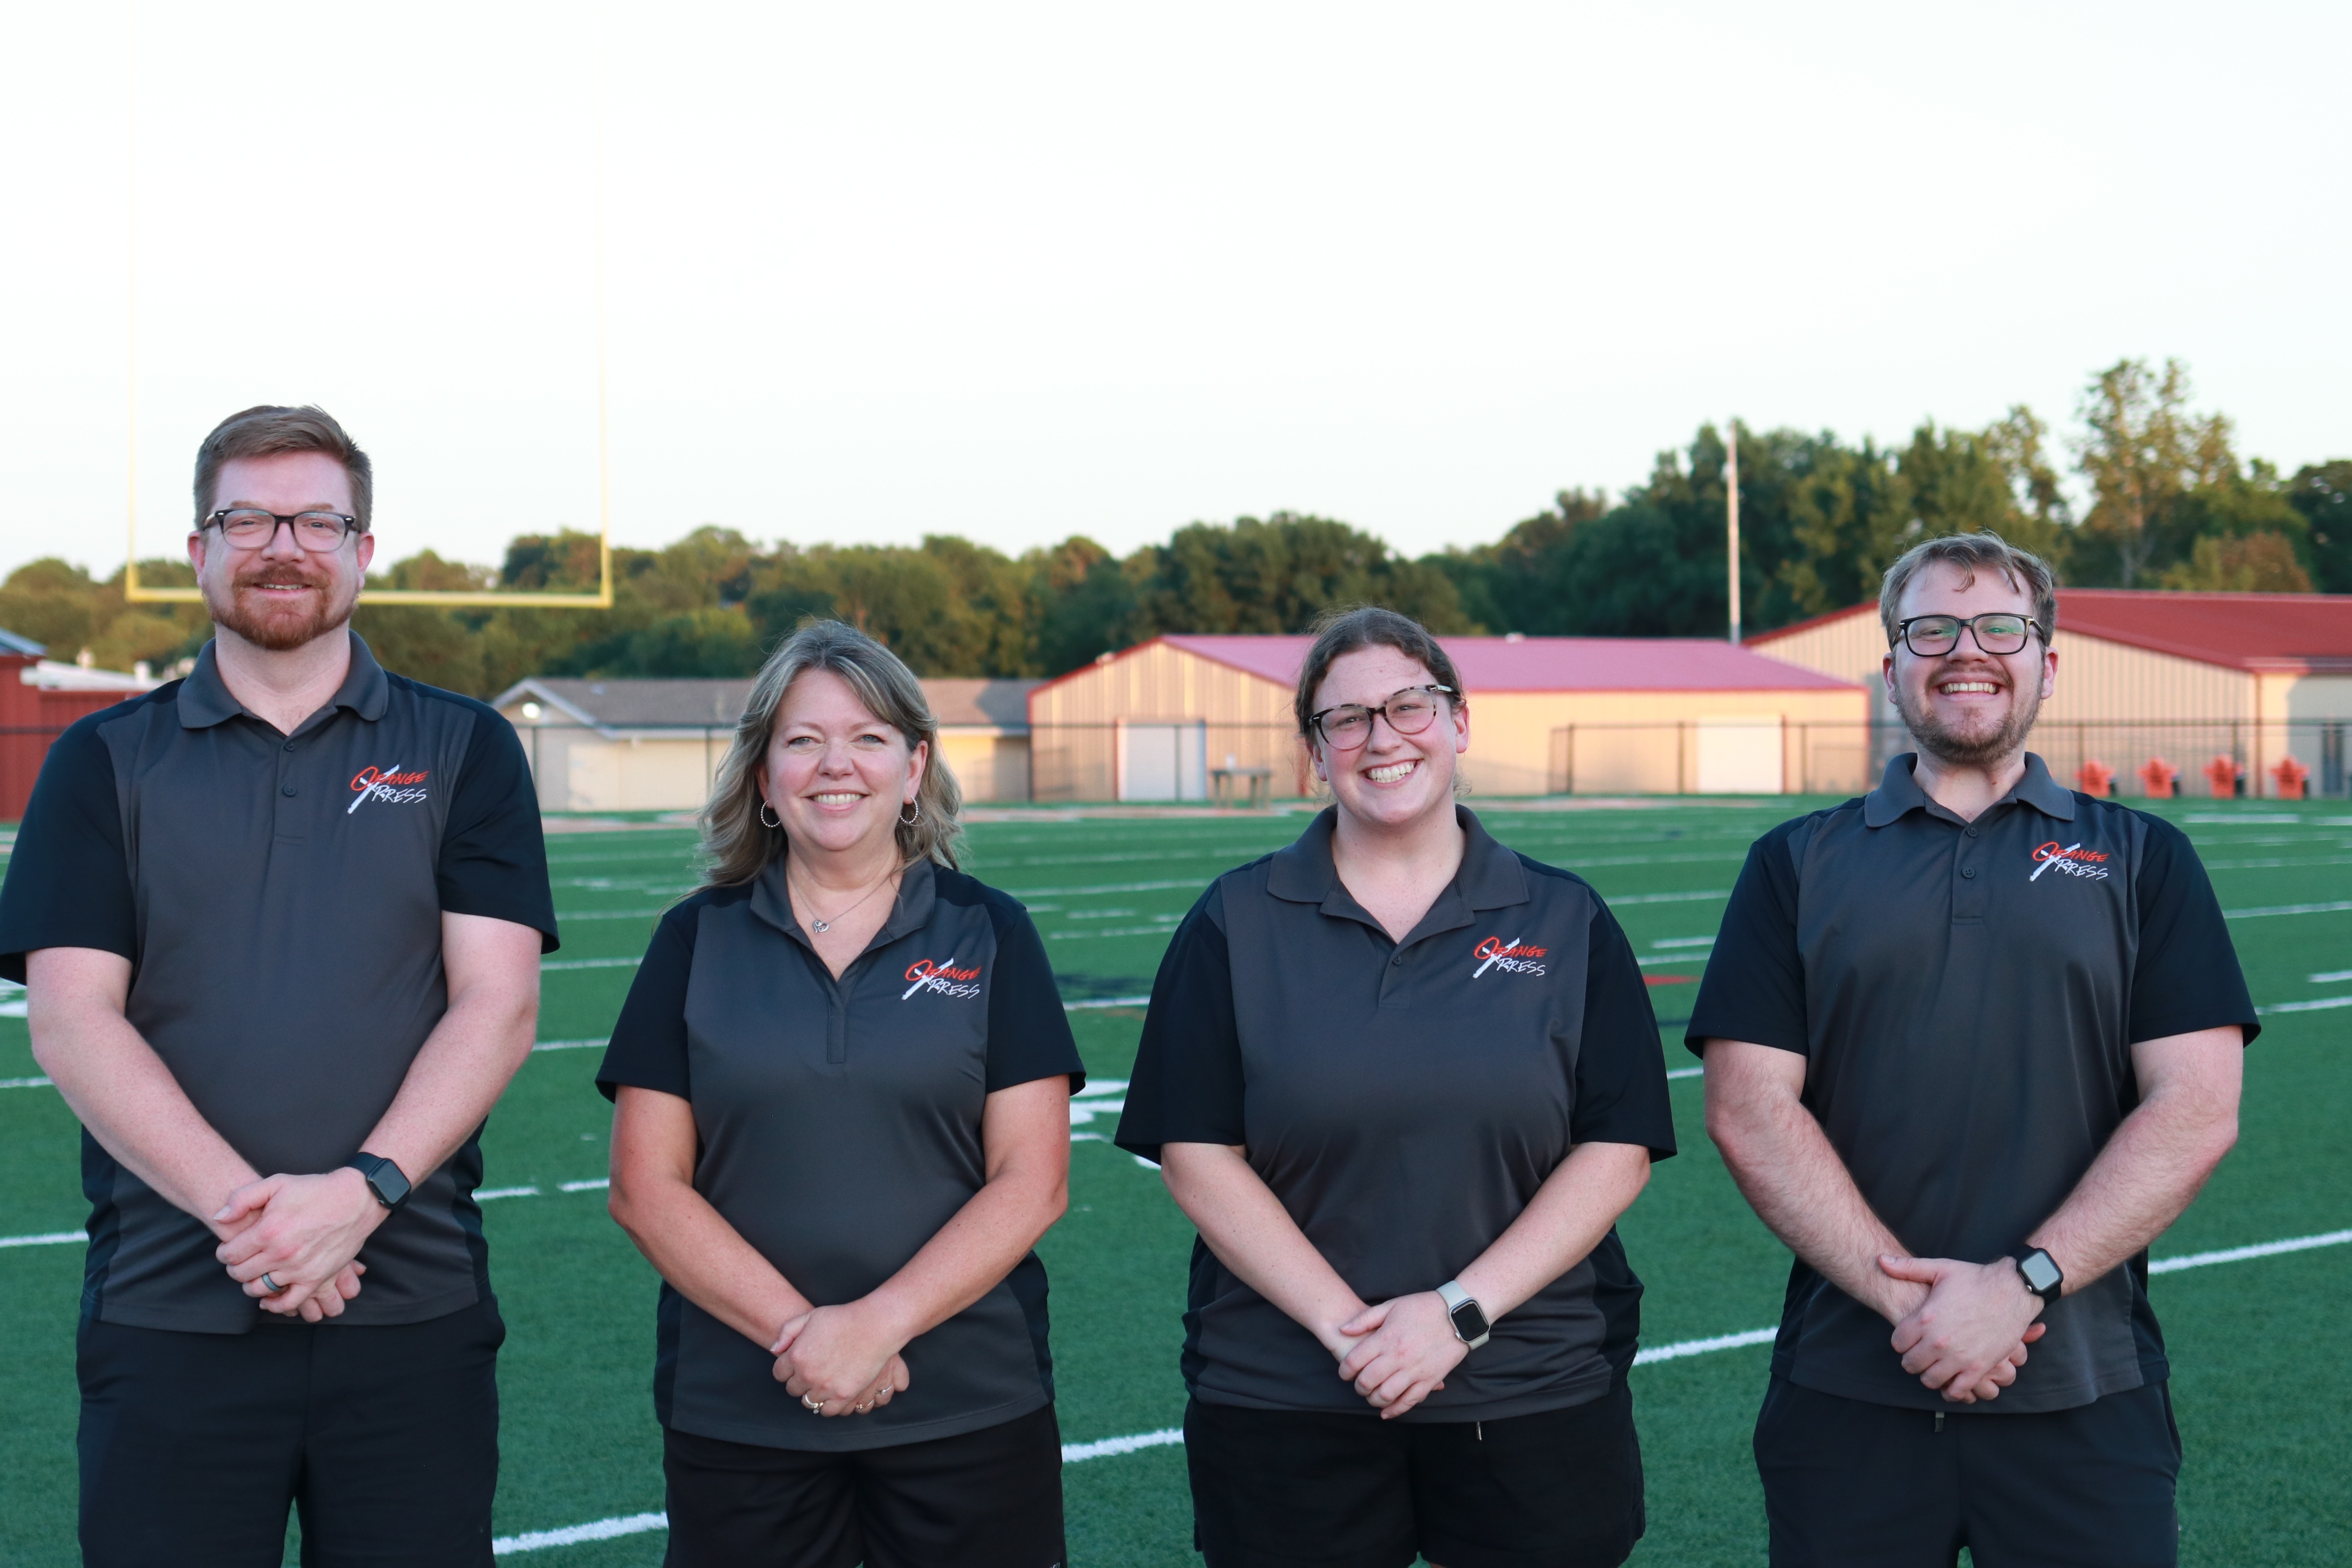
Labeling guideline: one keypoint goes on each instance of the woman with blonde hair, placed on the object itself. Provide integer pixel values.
(842, 1084)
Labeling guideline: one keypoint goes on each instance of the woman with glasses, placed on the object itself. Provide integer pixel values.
(841, 1088)
(1403, 1080)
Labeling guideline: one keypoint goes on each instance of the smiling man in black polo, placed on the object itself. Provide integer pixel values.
(1972, 1042)
(281, 924)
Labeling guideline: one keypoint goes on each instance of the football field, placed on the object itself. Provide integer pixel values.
(2263, 1384)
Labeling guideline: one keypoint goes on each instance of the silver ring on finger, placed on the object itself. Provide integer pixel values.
(812, 1405)
(271, 1286)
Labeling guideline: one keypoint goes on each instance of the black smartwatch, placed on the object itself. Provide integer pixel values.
(383, 1178)
(1469, 1319)
(2041, 1273)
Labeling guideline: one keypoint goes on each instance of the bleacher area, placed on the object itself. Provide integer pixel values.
(2261, 1388)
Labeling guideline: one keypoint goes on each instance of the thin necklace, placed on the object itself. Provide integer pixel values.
(821, 927)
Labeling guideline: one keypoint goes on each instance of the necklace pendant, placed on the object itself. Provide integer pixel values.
(822, 926)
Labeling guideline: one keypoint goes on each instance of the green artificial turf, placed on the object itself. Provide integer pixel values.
(2260, 1394)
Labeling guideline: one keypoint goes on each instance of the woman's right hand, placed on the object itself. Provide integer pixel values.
(841, 1357)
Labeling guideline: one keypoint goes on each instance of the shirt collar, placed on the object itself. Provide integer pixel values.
(1899, 792)
(204, 698)
(1490, 876)
(771, 900)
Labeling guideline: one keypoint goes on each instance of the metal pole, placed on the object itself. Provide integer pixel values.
(1731, 519)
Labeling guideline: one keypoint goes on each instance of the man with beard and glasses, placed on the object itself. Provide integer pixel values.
(281, 925)
(1972, 1042)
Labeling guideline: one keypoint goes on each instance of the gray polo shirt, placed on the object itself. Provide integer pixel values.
(840, 1126)
(279, 899)
(1404, 1101)
(1966, 996)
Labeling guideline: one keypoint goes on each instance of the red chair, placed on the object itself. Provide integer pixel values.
(2160, 778)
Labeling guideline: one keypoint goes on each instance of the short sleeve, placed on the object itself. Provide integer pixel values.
(1187, 1086)
(1028, 1029)
(2186, 977)
(1755, 984)
(69, 880)
(648, 1050)
(1621, 1076)
(493, 858)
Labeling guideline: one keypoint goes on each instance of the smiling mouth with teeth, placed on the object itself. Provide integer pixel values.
(837, 799)
(1389, 773)
(1949, 686)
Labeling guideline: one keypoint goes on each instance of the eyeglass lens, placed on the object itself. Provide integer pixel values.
(1932, 635)
(319, 531)
(1349, 726)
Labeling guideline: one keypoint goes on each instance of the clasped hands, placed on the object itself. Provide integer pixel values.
(1402, 1348)
(304, 1233)
(846, 1358)
(1961, 1327)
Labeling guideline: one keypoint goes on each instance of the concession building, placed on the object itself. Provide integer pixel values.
(656, 745)
(1202, 718)
(2261, 683)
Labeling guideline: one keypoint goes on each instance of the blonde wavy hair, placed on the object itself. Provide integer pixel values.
(736, 844)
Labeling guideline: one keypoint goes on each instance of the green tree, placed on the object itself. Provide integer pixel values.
(2143, 450)
(2322, 492)
(1277, 574)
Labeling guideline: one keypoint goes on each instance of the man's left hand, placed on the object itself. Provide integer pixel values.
(1972, 1329)
(302, 1232)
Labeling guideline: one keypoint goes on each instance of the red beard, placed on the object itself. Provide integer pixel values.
(279, 625)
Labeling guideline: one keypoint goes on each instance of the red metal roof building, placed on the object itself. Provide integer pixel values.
(2263, 681)
(1176, 717)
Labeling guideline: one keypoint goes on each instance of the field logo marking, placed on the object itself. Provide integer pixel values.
(388, 784)
(2075, 860)
(1510, 956)
(944, 978)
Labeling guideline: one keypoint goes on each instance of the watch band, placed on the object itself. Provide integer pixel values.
(1468, 1318)
(2041, 1273)
(385, 1178)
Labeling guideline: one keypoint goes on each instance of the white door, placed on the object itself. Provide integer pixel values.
(1739, 756)
(1163, 762)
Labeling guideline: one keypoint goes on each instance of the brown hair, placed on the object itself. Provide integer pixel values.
(266, 430)
(736, 844)
(1339, 632)
(1973, 553)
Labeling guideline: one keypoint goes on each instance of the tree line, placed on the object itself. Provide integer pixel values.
(2171, 504)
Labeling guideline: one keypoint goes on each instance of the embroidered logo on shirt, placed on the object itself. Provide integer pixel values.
(2073, 861)
(389, 785)
(944, 978)
(1512, 957)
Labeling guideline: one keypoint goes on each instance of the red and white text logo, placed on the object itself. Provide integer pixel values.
(2073, 861)
(1512, 957)
(944, 978)
(388, 784)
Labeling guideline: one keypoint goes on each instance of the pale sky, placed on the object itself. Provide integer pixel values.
(1020, 271)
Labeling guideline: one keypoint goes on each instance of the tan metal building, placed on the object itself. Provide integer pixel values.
(2186, 678)
(656, 745)
(1195, 718)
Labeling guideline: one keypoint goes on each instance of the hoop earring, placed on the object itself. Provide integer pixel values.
(917, 807)
(768, 817)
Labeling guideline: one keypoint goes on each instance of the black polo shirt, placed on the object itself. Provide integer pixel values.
(840, 1126)
(1405, 1100)
(1966, 996)
(279, 899)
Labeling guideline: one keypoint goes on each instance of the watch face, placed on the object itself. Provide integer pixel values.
(2040, 1274)
(1469, 1321)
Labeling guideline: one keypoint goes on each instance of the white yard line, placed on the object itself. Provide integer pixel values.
(2322, 1005)
(2328, 909)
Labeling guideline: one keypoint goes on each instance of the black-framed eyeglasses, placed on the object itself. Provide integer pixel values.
(248, 527)
(1409, 713)
(1932, 637)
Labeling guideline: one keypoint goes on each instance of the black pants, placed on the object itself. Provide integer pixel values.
(194, 1445)
(989, 1499)
(1279, 1488)
(1878, 1486)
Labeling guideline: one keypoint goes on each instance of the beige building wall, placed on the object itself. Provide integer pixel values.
(1520, 742)
(1074, 722)
(988, 766)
